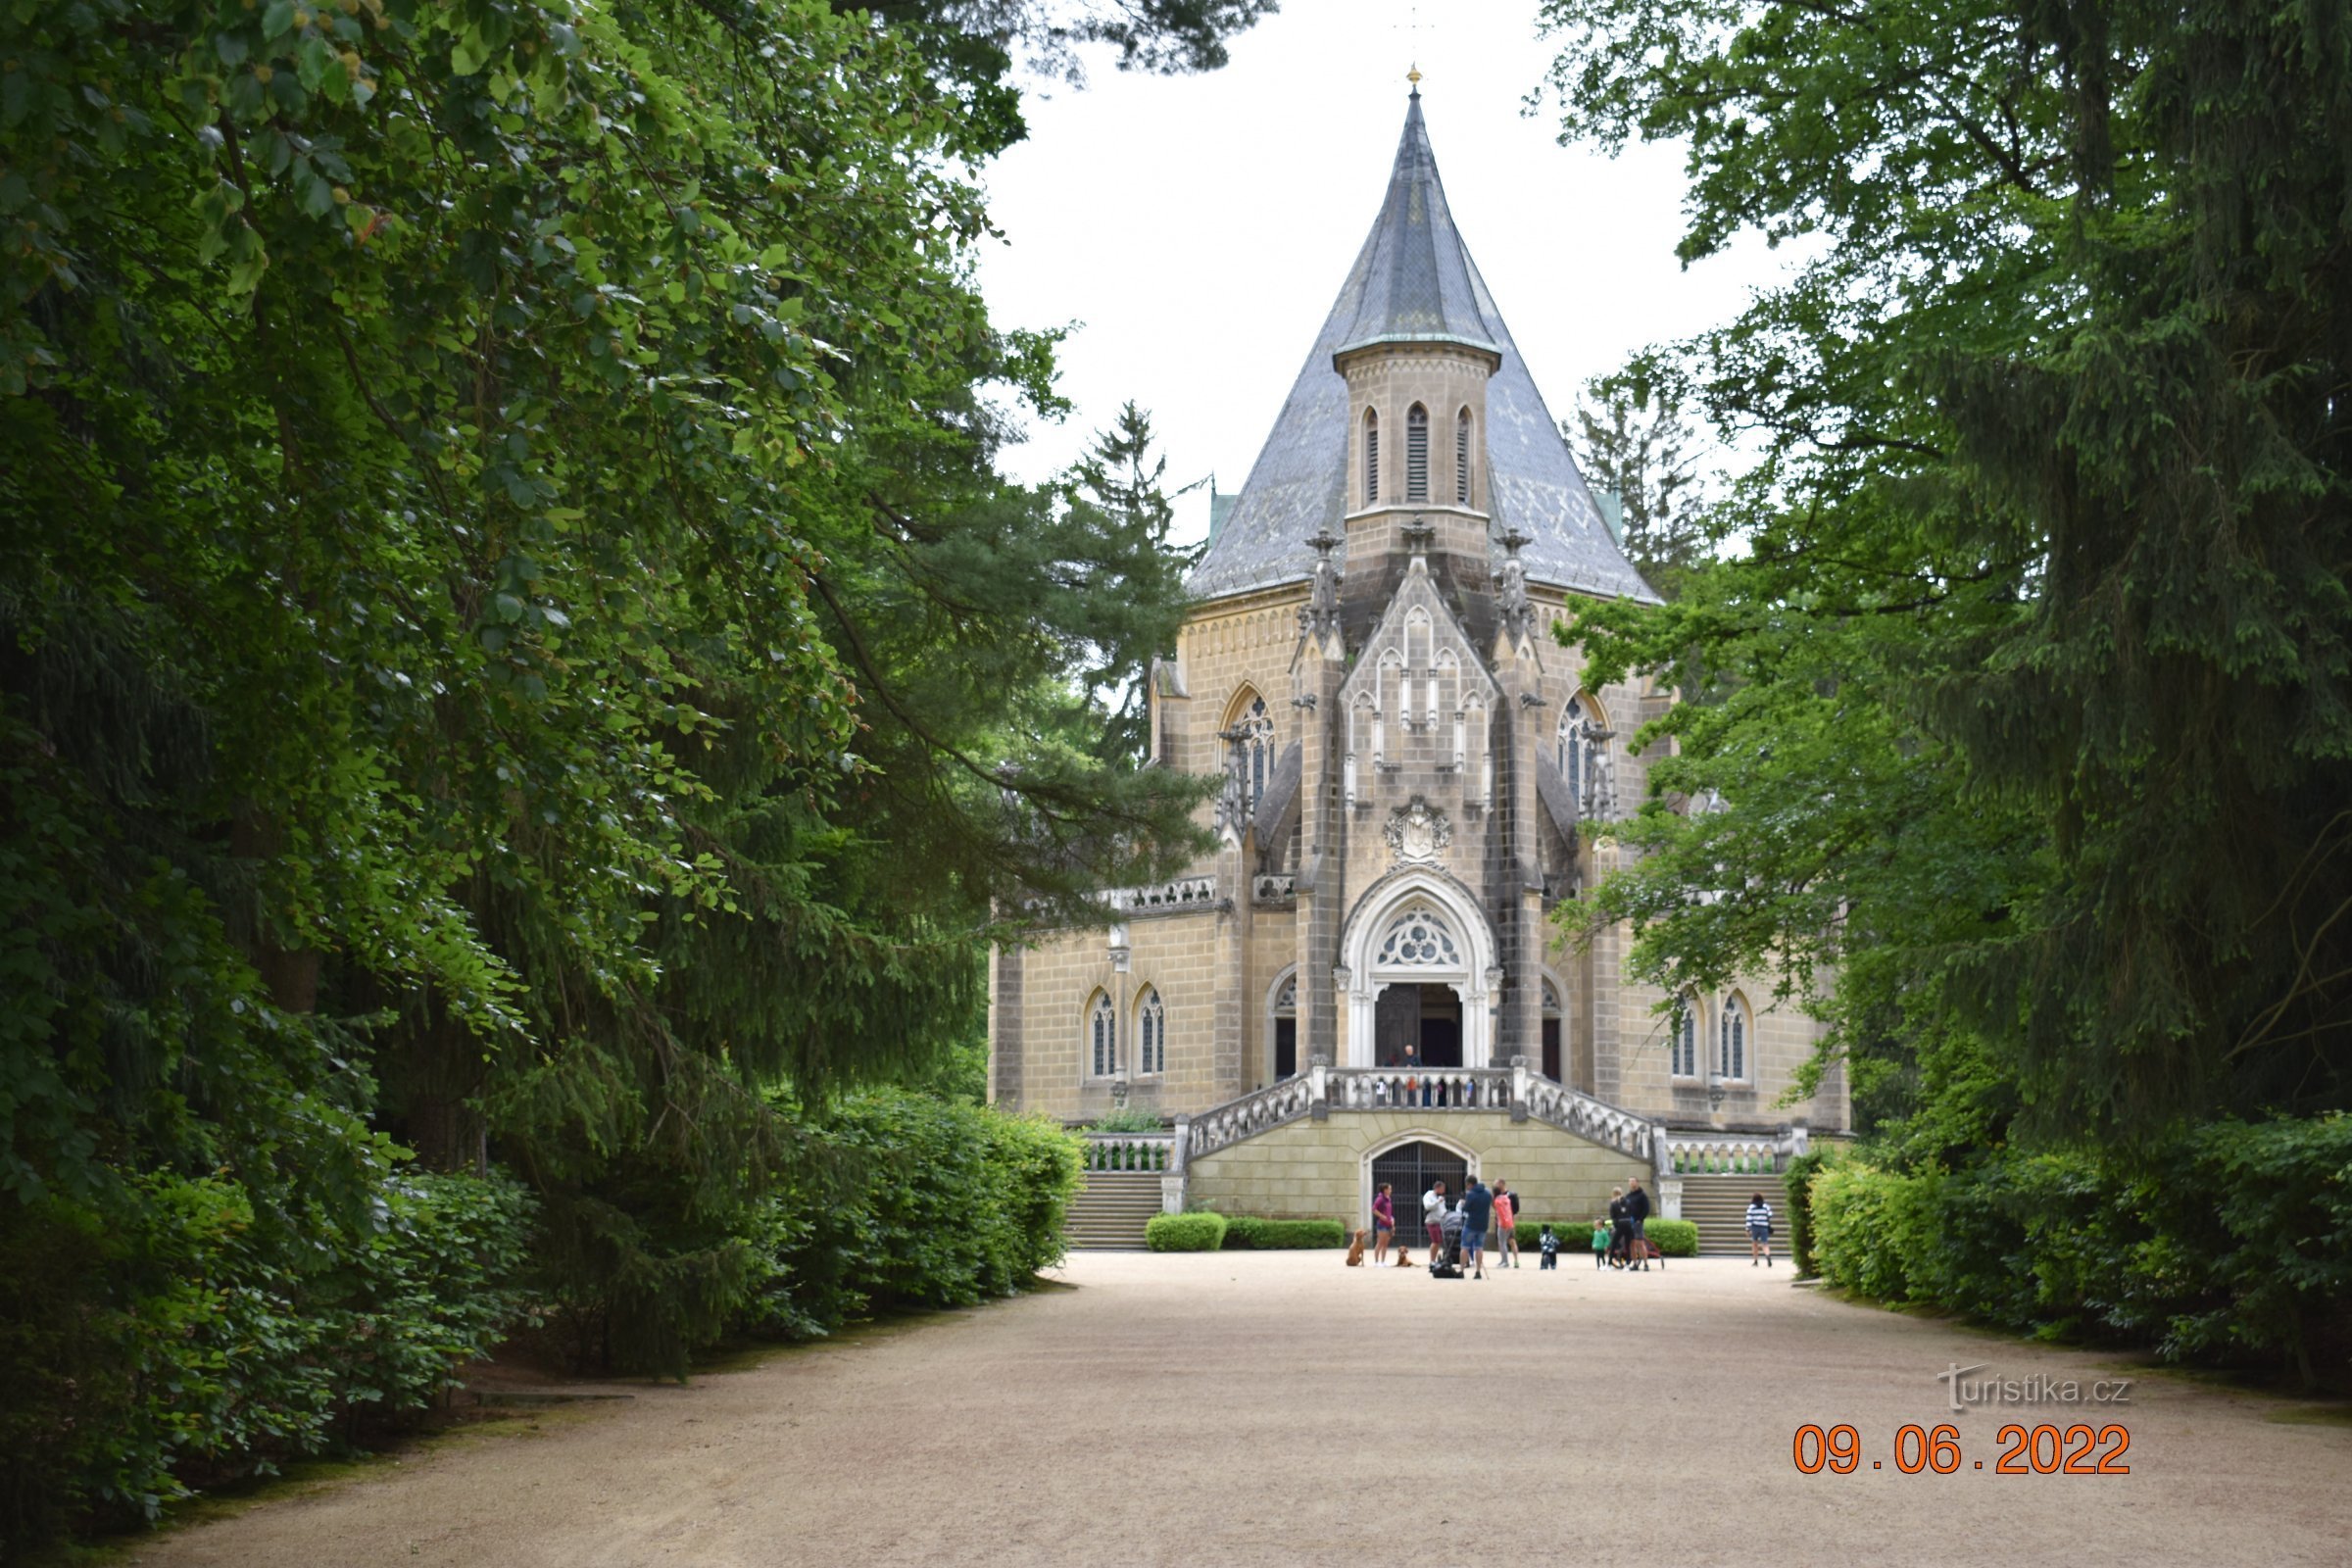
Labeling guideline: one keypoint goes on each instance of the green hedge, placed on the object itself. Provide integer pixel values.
(1676, 1238)
(1184, 1233)
(1246, 1233)
(913, 1201)
(2230, 1244)
(193, 1335)
(1798, 1179)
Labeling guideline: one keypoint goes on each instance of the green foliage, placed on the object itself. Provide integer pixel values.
(1128, 1119)
(2232, 1244)
(1676, 1238)
(1245, 1233)
(1201, 1232)
(2043, 590)
(1799, 1178)
(511, 640)
(1641, 449)
(920, 1204)
(193, 1335)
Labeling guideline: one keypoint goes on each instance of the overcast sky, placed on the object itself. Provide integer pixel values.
(1194, 229)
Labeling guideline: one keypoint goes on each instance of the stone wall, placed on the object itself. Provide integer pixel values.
(1316, 1170)
(1220, 1043)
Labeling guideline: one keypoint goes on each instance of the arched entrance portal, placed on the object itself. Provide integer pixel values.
(1410, 1169)
(1420, 964)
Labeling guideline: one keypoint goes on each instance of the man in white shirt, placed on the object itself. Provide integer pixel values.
(1433, 1216)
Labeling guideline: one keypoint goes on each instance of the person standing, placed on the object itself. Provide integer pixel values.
(1506, 1241)
(1636, 1209)
(1433, 1217)
(1384, 1224)
(1478, 1211)
(1759, 1231)
(1621, 1228)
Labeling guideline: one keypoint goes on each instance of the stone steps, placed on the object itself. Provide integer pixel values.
(1110, 1210)
(1718, 1205)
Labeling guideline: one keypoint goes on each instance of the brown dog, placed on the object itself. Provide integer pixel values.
(1356, 1249)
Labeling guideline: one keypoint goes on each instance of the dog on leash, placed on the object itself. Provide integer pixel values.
(1356, 1249)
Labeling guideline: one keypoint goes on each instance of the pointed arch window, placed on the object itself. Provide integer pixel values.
(1462, 457)
(1416, 454)
(1284, 1016)
(1418, 940)
(1150, 1035)
(1732, 1052)
(1103, 1038)
(1547, 1038)
(1682, 1041)
(1571, 757)
(1258, 745)
(1371, 456)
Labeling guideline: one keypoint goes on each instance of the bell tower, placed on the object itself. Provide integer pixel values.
(1416, 360)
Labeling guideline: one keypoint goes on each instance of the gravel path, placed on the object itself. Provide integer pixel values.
(1278, 1408)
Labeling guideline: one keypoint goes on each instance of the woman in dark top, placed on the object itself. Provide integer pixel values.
(1384, 1224)
(1621, 1228)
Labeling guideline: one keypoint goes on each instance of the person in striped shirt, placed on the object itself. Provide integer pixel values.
(1759, 1231)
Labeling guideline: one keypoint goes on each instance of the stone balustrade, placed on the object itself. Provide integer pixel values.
(1730, 1154)
(1253, 1113)
(1573, 1112)
(1129, 1152)
(1184, 893)
(1420, 1088)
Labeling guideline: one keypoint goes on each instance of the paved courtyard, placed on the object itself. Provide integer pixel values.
(1278, 1408)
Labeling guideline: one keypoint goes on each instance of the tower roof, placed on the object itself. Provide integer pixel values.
(1416, 273)
(1413, 280)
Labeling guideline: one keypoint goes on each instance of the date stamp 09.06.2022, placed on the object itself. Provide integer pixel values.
(2022, 1448)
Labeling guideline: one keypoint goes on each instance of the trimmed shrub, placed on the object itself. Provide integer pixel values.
(1676, 1238)
(1798, 1179)
(2230, 1244)
(916, 1202)
(190, 1335)
(1246, 1233)
(1201, 1232)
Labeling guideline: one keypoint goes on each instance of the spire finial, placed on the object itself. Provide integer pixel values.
(1414, 76)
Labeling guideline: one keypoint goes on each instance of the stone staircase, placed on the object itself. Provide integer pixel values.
(1110, 1208)
(1719, 1206)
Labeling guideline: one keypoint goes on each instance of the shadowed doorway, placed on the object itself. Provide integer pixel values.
(1427, 1017)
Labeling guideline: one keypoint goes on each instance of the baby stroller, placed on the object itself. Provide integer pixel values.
(1447, 1262)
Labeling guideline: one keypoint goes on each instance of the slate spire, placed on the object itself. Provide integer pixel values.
(1416, 270)
(1413, 279)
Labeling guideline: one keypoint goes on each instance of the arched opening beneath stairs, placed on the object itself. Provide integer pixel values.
(1411, 1169)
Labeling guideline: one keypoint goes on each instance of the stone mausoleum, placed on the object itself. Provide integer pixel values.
(1370, 978)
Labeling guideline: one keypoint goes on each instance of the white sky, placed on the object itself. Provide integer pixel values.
(1196, 228)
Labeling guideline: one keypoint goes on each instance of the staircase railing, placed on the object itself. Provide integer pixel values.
(1573, 1112)
(1223, 1126)
(1145, 1152)
(1730, 1154)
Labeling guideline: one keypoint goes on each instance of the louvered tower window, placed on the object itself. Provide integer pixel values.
(1462, 457)
(1416, 454)
(1371, 456)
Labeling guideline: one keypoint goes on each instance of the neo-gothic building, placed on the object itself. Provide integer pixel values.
(1368, 975)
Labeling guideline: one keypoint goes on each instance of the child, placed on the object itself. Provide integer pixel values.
(1600, 1244)
(1550, 1245)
